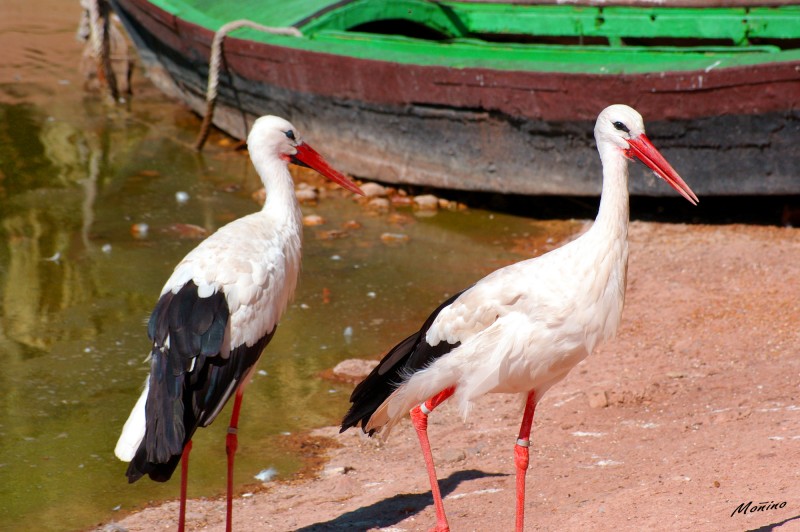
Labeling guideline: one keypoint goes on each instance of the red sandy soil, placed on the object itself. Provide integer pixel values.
(691, 411)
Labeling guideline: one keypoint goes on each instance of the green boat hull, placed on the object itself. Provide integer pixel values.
(440, 108)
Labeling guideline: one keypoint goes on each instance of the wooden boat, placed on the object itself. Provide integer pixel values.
(498, 96)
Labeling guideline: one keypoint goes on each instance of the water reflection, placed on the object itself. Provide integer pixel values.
(77, 287)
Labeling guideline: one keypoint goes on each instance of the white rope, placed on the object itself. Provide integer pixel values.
(95, 29)
(100, 43)
(216, 60)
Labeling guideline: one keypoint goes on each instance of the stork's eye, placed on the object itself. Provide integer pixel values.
(289, 134)
(621, 127)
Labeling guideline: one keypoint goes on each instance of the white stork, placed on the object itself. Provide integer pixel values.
(522, 328)
(216, 314)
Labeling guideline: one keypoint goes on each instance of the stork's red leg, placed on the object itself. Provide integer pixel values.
(184, 477)
(419, 418)
(521, 457)
(231, 444)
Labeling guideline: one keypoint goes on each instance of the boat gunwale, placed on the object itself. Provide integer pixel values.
(533, 94)
(457, 53)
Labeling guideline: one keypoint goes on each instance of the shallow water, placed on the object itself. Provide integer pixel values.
(77, 286)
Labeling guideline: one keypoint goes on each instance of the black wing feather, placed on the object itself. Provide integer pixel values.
(189, 379)
(404, 359)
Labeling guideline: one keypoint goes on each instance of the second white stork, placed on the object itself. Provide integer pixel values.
(216, 314)
(522, 328)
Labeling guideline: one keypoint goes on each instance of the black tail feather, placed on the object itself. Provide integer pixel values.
(189, 379)
(409, 356)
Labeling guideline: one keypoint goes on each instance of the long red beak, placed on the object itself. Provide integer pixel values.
(643, 149)
(307, 156)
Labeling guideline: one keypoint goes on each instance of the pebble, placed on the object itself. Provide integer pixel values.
(354, 368)
(306, 195)
(399, 219)
(331, 234)
(374, 190)
(334, 471)
(426, 202)
(394, 238)
(402, 201)
(598, 399)
(140, 230)
(312, 220)
(187, 230)
(352, 224)
(379, 205)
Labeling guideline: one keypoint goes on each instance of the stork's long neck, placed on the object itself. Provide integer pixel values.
(606, 252)
(614, 212)
(281, 203)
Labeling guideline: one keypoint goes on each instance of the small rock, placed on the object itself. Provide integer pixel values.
(402, 201)
(374, 190)
(191, 231)
(333, 471)
(331, 234)
(394, 238)
(140, 230)
(399, 219)
(351, 224)
(181, 197)
(379, 205)
(598, 399)
(426, 202)
(312, 220)
(306, 195)
(353, 369)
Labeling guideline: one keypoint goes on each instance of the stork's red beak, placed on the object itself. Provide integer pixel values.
(307, 156)
(643, 149)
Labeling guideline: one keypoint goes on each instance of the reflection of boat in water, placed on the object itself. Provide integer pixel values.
(491, 96)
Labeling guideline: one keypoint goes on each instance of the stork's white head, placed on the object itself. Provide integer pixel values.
(273, 137)
(621, 128)
(617, 124)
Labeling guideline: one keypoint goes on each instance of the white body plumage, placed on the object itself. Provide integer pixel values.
(254, 263)
(522, 328)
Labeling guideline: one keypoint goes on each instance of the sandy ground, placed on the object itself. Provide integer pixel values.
(693, 410)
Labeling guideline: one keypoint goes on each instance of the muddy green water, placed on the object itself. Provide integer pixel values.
(76, 287)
